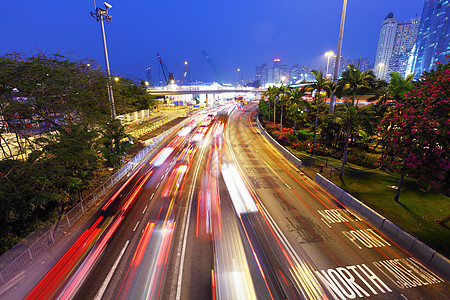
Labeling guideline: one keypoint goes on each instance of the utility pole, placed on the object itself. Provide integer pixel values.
(338, 56)
(101, 14)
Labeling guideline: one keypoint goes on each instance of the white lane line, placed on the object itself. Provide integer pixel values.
(288, 186)
(145, 209)
(157, 185)
(186, 229)
(102, 289)
(135, 227)
(162, 176)
(151, 197)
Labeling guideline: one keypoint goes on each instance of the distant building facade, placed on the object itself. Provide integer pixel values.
(148, 76)
(262, 74)
(405, 40)
(294, 74)
(395, 45)
(364, 64)
(385, 46)
(433, 38)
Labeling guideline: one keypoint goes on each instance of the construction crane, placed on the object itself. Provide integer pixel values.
(169, 79)
(184, 74)
(213, 67)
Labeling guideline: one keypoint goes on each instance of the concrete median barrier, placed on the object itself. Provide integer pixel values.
(441, 264)
(391, 230)
(422, 251)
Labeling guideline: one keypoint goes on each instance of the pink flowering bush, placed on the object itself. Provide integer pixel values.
(416, 132)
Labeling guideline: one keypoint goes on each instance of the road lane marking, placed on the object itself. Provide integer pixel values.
(186, 223)
(145, 209)
(288, 186)
(151, 197)
(102, 289)
(158, 185)
(136, 226)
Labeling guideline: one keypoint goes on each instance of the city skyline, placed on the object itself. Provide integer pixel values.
(235, 34)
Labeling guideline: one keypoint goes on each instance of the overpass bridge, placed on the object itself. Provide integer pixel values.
(189, 90)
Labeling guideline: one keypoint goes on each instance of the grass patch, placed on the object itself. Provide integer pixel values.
(417, 211)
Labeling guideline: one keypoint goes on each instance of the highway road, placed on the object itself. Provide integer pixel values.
(218, 213)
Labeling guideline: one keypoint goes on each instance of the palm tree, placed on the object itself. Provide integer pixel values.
(353, 81)
(272, 93)
(284, 92)
(398, 85)
(321, 84)
(297, 101)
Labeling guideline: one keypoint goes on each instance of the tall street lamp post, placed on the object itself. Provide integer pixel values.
(237, 76)
(328, 55)
(188, 64)
(101, 14)
(338, 55)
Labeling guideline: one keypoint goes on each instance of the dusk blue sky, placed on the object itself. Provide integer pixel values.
(235, 33)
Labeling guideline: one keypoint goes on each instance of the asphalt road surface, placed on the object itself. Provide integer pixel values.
(218, 213)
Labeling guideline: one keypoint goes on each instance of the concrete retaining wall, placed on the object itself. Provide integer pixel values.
(288, 155)
(422, 252)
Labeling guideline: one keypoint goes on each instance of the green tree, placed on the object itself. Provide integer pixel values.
(272, 93)
(114, 142)
(352, 82)
(297, 102)
(284, 92)
(73, 149)
(321, 84)
(398, 85)
(416, 132)
(28, 196)
(264, 109)
(130, 96)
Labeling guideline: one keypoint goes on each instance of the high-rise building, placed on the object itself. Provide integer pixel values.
(294, 74)
(395, 46)
(345, 61)
(270, 76)
(363, 64)
(276, 74)
(385, 46)
(405, 39)
(261, 74)
(433, 38)
(284, 74)
(148, 76)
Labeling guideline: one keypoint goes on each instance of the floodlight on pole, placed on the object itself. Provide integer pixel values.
(328, 55)
(101, 14)
(237, 75)
(338, 55)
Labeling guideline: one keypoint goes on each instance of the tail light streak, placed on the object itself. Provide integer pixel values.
(121, 188)
(46, 288)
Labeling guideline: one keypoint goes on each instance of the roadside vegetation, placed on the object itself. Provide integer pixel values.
(57, 136)
(392, 154)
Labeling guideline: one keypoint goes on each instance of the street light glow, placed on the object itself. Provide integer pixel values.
(116, 79)
(328, 55)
